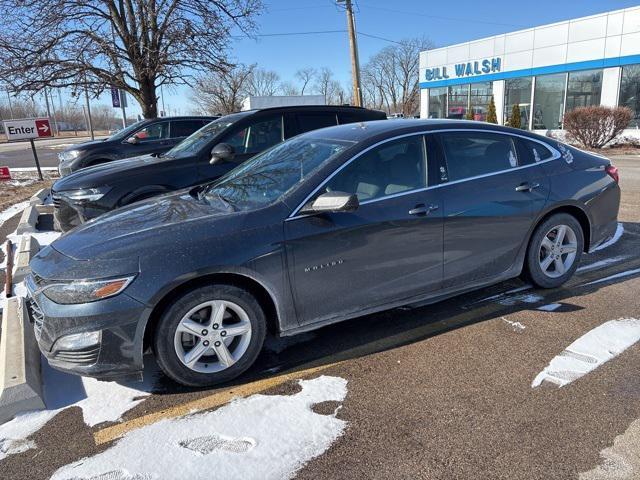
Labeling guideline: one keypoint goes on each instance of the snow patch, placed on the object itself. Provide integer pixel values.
(259, 437)
(590, 351)
(527, 298)
(612, 240)
(550, 307)
(12, 210)
(517, 326)
(617, 275)
(100, 402)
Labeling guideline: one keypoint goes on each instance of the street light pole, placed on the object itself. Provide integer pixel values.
(355, 62)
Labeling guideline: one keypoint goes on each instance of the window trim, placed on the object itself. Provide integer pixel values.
(555, 156)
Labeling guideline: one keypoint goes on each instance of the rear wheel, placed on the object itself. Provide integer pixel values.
(554, 251)
(209, 335)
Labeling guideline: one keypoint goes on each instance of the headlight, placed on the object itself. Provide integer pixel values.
(85, 194)
(85, 291)
(68, 155)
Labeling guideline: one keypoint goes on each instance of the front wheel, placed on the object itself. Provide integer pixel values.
(554, 251)
(209, 335)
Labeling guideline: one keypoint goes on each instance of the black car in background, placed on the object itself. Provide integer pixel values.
(144, 137)
(330, 225)
(204, 156)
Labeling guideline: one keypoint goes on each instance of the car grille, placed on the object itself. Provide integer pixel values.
(36, 317)
(85, 356)
(56, 199)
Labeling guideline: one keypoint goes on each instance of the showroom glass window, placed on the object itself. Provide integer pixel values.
(438, 102)
(630, 92)
(458, 101)
(584, 89)
(548, 101)
(480, 98)
(518, 92)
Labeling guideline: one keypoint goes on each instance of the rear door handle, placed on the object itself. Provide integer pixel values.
(422, 209)
(527, 187)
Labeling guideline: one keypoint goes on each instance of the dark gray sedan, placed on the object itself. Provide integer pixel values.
(327, 226)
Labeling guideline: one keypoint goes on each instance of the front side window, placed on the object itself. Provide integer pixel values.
(200, 139)
(517, 94)
(394, 167)
(270, 175)
(257, 137)
(584, 89)
(155, 131)
(548, 101)
(630, 92)
(438, 102)
(470, 154)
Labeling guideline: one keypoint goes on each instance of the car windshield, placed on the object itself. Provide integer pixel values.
(273, 173)
(197, 140)
(125, 132)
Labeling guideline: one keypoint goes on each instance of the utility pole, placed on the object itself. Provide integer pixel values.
(353, 44)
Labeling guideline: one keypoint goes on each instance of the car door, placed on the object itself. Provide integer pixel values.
(152, 138)
(388, 250)
(490, 198)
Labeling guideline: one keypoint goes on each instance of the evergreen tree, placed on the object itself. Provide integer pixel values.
(514, 121)
(469, 115)
(491, 114)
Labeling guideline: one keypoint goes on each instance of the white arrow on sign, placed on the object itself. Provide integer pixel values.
(44, 128)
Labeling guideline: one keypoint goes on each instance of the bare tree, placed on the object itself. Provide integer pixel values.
(306, 77)
(263, 82)
(289, 88)
(390, 78)
(326, 85)
(134, 45)
(222, 92)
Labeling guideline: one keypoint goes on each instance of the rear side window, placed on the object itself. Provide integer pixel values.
(314, 121)
(530, 152)
(184, 128)
(470, 154)
(153, 132)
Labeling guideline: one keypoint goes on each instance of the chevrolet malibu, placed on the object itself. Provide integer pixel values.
(327, 226)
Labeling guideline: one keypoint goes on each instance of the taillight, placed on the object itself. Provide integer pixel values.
(612, 172)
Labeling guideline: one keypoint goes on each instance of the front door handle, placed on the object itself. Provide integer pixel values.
(422, 209)
(527, 187)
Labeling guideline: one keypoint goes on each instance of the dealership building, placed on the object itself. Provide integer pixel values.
(545, 71)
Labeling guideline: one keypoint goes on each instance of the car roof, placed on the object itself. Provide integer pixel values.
(346, 108)
(359, 131)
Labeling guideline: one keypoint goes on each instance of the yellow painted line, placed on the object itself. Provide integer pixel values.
(214, 400)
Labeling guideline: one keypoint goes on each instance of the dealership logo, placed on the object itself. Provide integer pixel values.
(480, 67)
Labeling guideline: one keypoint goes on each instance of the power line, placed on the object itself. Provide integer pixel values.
(379, 38)
(318, 32)
(438, 17)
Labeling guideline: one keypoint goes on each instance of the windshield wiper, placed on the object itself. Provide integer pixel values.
(225, 202)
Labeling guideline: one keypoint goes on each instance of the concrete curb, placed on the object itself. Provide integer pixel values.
(27, 248)
(28, 220)
(20, 382)
(40, 196)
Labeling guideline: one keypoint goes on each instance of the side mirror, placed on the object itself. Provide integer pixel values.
(223, 152)
(133, 140)
(332, 202)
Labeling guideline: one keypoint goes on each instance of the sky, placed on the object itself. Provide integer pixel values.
(443, 22)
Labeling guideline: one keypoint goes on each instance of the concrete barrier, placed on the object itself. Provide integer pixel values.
(20, 382)
(27, 247)
(40, 196)
(28, 220)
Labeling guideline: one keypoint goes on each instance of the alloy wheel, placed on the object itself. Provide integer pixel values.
(558, 251)
(212, 336)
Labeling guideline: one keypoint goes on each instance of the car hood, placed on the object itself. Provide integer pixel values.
(143, 227)
(99, 175)
(89, 145)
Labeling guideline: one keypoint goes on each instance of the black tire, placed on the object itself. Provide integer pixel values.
(163, 341)
(533, 269)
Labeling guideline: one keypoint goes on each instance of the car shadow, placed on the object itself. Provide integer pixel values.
(406, 325)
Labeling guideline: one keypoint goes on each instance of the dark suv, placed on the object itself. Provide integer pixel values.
(144, 137)
(204, 156)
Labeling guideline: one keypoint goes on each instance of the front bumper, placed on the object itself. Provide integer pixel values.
(118, 352)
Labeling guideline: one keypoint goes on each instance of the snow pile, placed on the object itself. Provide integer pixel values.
(590, 351)
(12, 210)
(99, 401)
(259, 437)
(550, 307)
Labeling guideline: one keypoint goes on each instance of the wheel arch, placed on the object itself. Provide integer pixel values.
(575, 211)
(261, 293)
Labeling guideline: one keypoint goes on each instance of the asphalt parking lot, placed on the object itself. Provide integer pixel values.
(441, 391)
(18, 154)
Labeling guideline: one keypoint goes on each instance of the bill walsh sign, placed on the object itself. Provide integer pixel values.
(479, 67)
(27, 129)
